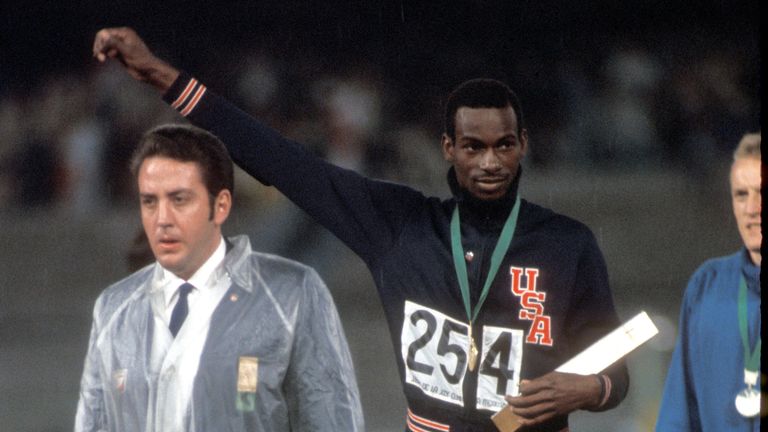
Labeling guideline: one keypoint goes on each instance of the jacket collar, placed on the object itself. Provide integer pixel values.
(482, 213)
(750, 271)
(237, 261)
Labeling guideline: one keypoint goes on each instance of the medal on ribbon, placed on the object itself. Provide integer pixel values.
(748, 400)
(502, 245)
(472, 350)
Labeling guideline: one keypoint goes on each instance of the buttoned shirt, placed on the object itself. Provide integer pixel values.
(175, 360)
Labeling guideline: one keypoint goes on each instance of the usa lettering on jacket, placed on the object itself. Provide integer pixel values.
(531, 304)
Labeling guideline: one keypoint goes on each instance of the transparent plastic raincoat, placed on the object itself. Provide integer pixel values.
(275, 357)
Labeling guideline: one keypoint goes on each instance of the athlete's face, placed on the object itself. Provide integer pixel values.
(747, 203)
(486, 151)
(182, 228)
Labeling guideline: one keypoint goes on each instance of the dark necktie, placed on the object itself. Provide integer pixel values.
(180, 310)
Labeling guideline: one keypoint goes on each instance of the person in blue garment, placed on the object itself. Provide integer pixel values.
(435, 262)
(212, 336)
(714, 381)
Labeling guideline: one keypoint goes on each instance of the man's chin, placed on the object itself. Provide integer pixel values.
(168, 261)
(490, 191)
(489, 196)
(752, 241)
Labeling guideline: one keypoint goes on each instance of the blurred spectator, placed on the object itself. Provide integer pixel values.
(258, 84)
(351, 117)
(36, 178)
(633, 76)
(36, 175)
(610, 115)
(703, 110)
(625, 123)
(10, 136)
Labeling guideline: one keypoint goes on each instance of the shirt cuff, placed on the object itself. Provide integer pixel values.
(184, 94)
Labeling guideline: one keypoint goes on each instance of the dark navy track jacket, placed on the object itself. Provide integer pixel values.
(550, 298)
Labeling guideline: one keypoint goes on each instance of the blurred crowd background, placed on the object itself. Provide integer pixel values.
(604, 85)
(633, 109)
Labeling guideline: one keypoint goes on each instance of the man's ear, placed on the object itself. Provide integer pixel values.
(448, 148)
(222, 205)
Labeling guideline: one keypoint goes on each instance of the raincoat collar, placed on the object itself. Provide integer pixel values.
(235, 265)
(237, 262)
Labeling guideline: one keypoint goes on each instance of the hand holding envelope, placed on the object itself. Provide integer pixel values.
(562, 381)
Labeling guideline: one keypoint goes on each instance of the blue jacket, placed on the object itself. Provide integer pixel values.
(707, 369)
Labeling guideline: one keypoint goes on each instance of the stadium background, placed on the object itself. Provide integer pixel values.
(633, 109)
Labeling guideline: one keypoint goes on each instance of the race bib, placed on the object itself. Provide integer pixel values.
(435, 349)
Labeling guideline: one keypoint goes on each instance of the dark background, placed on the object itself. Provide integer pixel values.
(417, 46)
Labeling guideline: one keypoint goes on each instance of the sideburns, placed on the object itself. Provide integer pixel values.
(212, 201)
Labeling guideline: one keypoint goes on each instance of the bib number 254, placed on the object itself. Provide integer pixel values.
(435, 346)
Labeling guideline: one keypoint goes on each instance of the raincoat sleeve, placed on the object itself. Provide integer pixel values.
(91, 413)
(321, 387)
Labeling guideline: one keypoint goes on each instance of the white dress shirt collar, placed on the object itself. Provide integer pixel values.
(204, 278)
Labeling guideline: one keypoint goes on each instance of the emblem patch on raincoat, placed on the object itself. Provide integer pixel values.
(247, 382)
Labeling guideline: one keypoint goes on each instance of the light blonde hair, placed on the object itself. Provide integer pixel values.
(748, 148)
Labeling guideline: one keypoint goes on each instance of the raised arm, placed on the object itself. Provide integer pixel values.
(365, 214)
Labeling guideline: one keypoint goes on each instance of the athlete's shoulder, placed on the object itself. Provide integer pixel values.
(537, 217)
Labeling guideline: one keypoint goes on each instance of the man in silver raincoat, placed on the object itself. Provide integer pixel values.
(213, 336)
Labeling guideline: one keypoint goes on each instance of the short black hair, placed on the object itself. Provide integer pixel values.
(481, 93)
(187, 143)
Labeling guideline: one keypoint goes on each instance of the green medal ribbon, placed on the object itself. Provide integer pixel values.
(502, 245)
(751, 358)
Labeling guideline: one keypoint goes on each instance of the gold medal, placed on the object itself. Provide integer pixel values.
(460, 265)
(472, 350)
